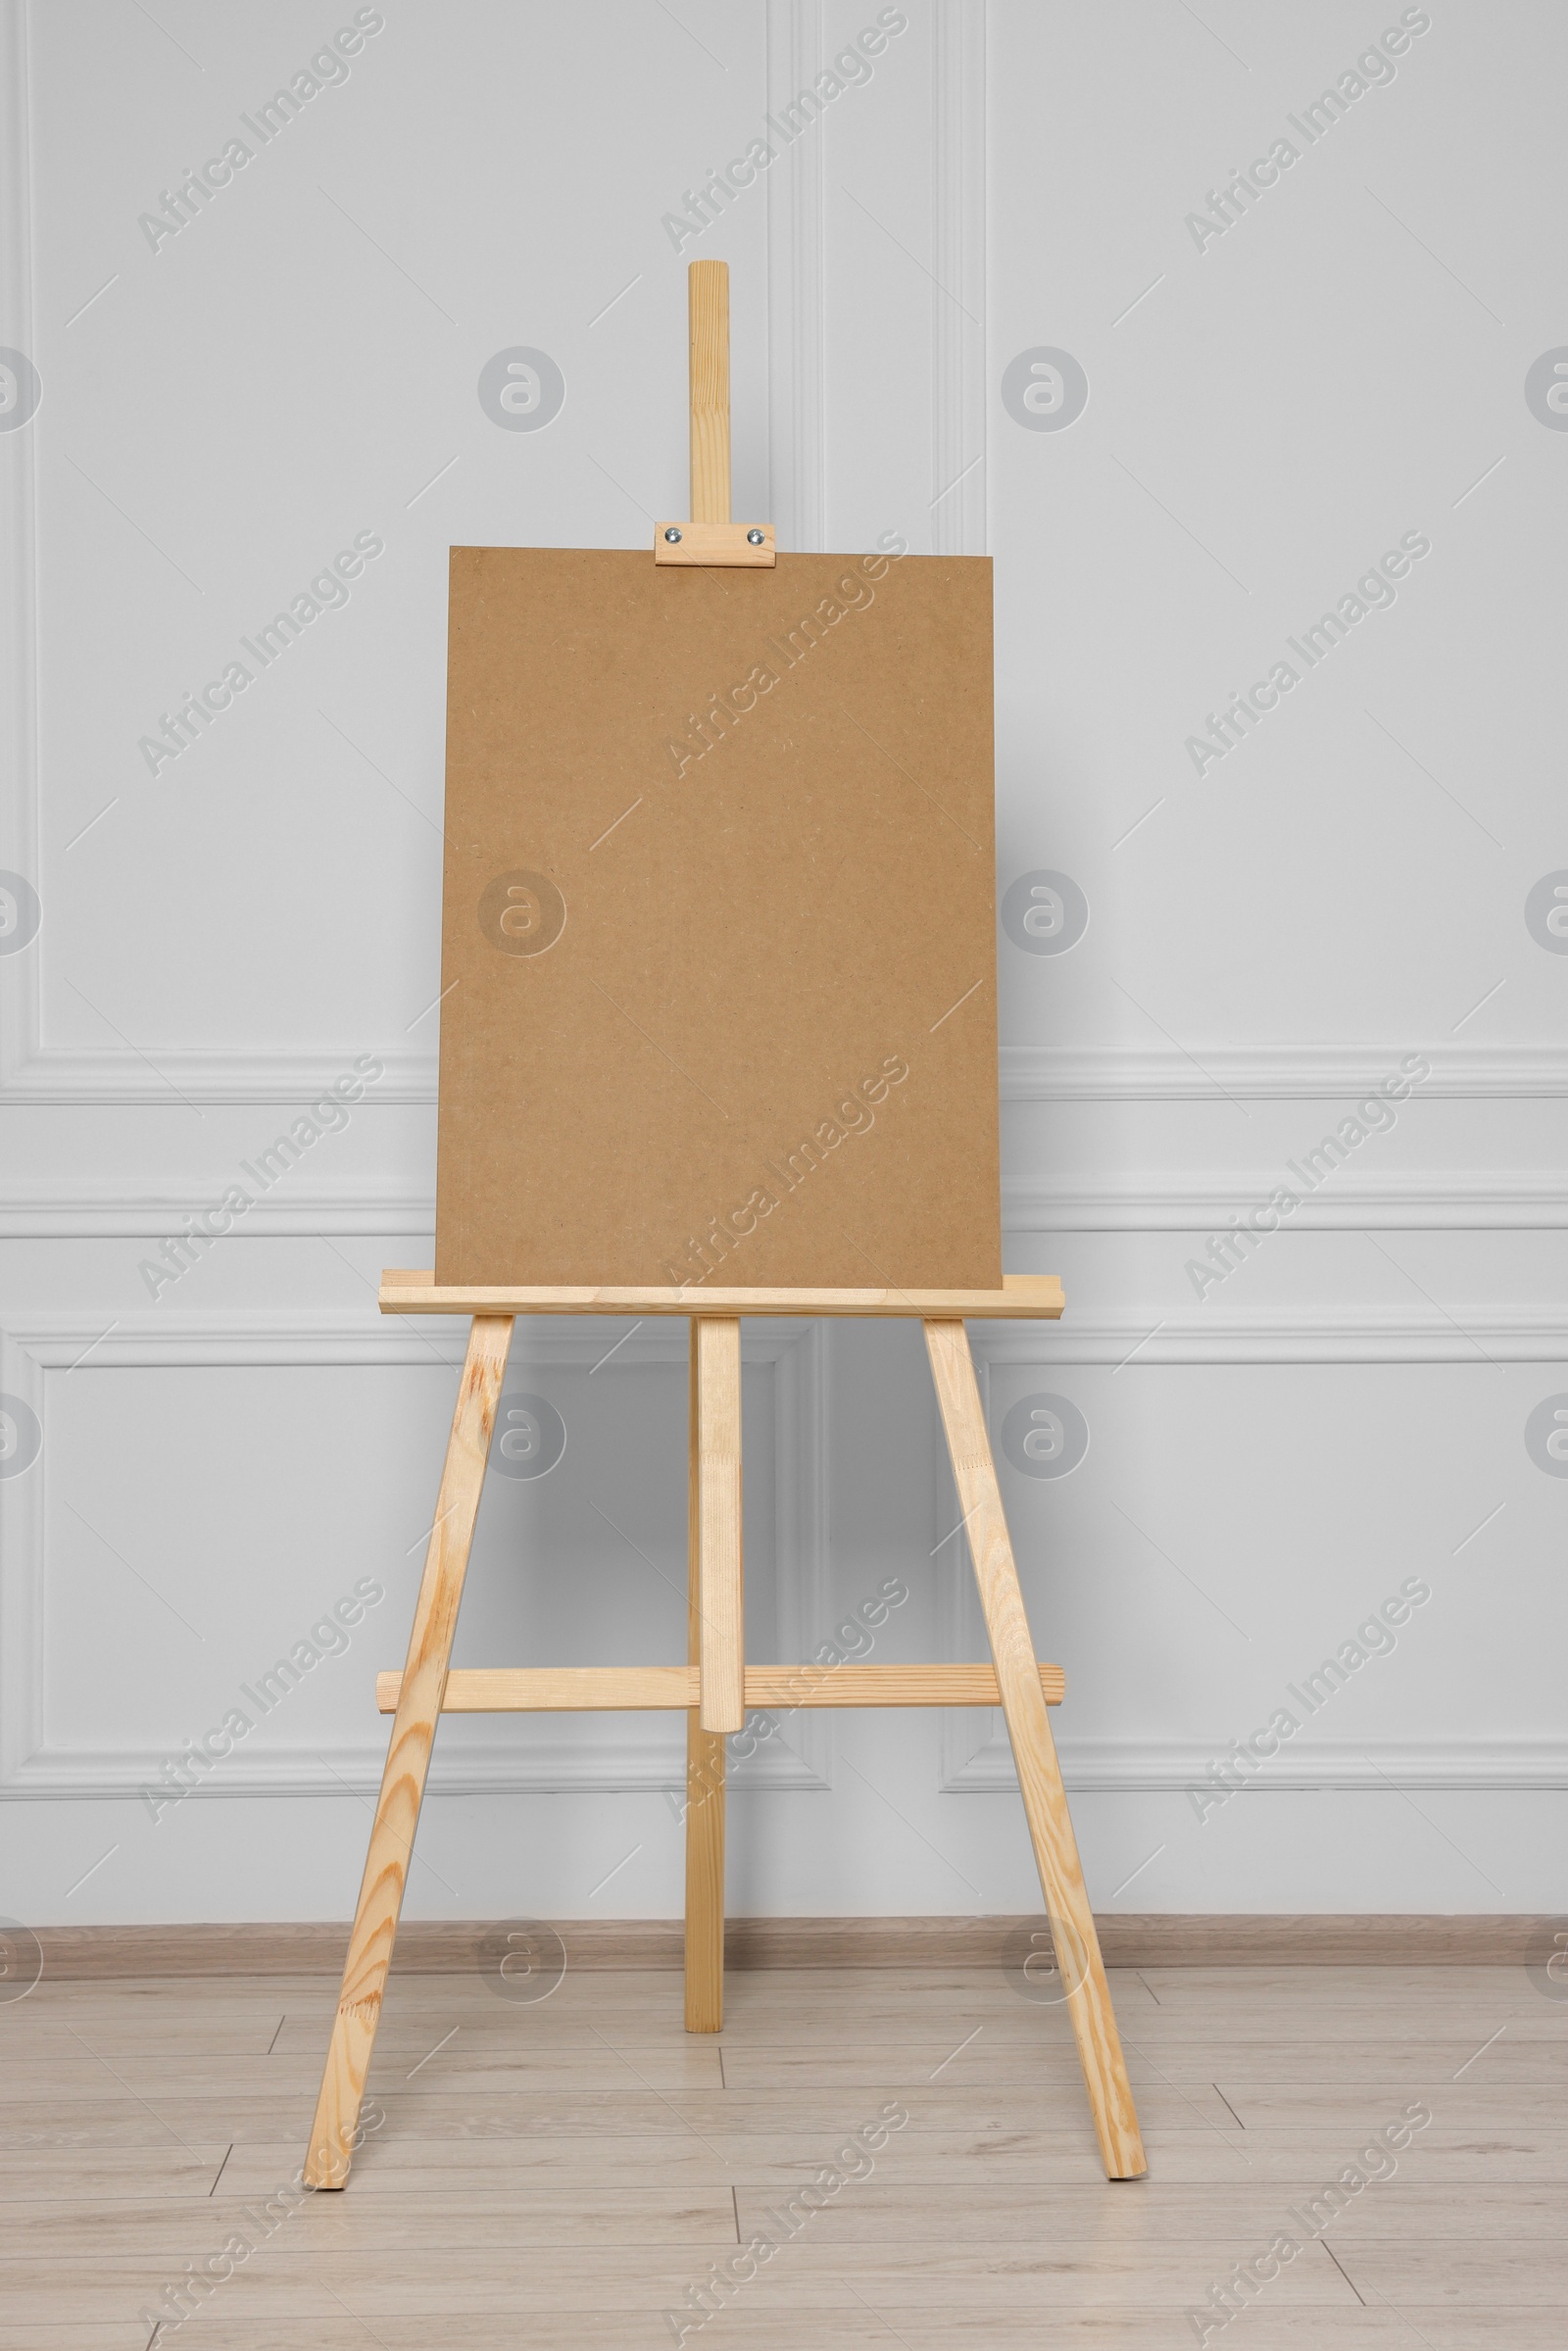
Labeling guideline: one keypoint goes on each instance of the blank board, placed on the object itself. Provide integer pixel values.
(719, 958)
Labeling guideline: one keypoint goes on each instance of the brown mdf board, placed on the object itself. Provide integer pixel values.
(718, 943)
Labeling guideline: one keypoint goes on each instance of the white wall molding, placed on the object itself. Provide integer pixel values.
(958, 409)
(1474, 1766)
(1343, 1333)
(1028, 1073)
(977, 1760)
(35, 1073)
(108, 1208)
(18, 570)
(34, 1347)
(796, 325)
(172, 1075)
(975, 1756)
(105, 1207)
(1043, 1073)
(1411, 1200)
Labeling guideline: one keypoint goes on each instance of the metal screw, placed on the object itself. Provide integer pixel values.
(672, 538)
(753, 538)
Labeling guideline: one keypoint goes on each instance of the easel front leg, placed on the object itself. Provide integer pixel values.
(424, 1681)
(1045, 1801)
(713, 1643)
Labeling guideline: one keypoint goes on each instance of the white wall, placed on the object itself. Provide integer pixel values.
(1266, 1462)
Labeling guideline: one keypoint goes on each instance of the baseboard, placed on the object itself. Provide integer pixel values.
(1394, 1939)
(457, 1946)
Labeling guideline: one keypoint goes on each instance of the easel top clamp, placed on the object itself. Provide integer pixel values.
(716, 1687)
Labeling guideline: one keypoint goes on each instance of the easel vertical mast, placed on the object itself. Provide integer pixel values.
(708, 313)
(707, 317)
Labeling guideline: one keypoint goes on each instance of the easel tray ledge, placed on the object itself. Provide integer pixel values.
(1023, 1297)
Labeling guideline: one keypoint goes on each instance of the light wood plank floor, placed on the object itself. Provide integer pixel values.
(567, 2173)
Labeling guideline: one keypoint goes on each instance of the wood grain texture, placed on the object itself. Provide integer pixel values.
(721, 1607)
(707, 329)
(785, 1686)
(621, 1688)
(1022, 1297)
(703, 1951)
(1045, 1801)
(724, 544)
(423, 1687)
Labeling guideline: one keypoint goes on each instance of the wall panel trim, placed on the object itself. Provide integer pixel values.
(36, 1347)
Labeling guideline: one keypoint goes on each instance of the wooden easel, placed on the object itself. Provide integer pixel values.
(716, 1687)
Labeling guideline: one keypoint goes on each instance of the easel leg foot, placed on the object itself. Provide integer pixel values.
(1044, 1800)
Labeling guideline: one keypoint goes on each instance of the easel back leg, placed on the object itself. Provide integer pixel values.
(704, 1772)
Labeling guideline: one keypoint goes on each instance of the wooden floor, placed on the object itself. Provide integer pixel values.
(565, 2174)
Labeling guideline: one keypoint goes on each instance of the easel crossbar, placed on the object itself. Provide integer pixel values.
(611, 1689)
